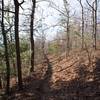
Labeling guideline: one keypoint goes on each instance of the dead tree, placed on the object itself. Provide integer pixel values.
(6, 50)
(31, 34)
(18, 58)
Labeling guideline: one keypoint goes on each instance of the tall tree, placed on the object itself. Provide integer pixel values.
(82, 15)
(95, 28)
(68, 27)
(18, 58)
(93, 21)
(6, 50)
(94, 12)
(0, 83)
(31, 34)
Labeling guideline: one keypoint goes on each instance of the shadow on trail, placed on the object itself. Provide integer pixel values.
(97, 71)
(44, 85)
(34, 89)
(76, 89)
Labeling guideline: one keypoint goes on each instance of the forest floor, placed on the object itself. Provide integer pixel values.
(60, 78)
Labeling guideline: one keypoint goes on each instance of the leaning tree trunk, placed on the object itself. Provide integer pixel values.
(18, 58)
(6, 50)
(31, 35)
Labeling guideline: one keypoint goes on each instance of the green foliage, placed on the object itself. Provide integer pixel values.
(53, 48)
(11, 49)
(78, 34)
(25, 55)
(13, 72)
(24, 46)
(1, 53)
(2, 68)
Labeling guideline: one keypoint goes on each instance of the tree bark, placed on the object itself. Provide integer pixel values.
(0, 83)
(32, 35)
(68, 37)
(82, 15)
(18, 58)
(82, 27)
(94, 12)
(6, 51)
(93, 23)
(95, 28)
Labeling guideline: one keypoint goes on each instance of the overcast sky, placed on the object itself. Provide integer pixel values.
(50, 14)
(53, 15)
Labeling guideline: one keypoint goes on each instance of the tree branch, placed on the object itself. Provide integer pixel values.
(21, 4)
(6, 31)
(7, 11)
(90, 4)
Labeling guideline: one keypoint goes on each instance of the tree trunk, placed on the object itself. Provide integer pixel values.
(6, 51)
(31, 35)
(82, 26)
(68, 37)
(95, 28)
(18, 58)
(94, 12)
(0, 83)
(93, 24)
(80, 1)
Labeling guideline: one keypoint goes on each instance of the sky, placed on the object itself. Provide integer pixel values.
(53, 15)
(50, 14)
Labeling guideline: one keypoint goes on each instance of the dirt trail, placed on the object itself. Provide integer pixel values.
(64, 79)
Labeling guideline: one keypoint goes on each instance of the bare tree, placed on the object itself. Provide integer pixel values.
(17, 4)
(65, 14)
(94, 15)
(93, 21)
(31, 34)
(6, 50)
(95, 28)
(68, 37)
(66, 5)
(82, 14)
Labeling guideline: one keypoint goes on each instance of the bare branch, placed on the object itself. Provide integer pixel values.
(90, 4)
(7, 11)
(6, 31)
(59, 11)
(21, 4)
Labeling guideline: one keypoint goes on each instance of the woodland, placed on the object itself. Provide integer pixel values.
(49, 50)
